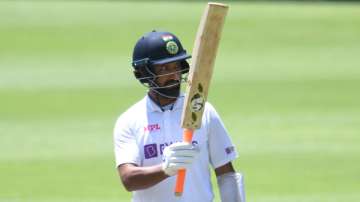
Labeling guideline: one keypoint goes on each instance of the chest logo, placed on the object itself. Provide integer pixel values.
(150, 151)
(152, 128)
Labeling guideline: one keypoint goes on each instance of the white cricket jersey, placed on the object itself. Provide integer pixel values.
(144, 130)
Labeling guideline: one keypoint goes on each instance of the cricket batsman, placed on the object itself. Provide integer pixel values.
(148, 137)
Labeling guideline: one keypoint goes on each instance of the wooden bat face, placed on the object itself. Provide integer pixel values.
(201, 68)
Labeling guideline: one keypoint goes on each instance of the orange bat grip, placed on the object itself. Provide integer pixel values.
(187, 137)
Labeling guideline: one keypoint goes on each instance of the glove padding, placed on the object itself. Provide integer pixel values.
(177, 156)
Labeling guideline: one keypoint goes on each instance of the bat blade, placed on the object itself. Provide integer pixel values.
(201, 68)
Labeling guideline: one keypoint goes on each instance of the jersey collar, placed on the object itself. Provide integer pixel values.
(153, 107)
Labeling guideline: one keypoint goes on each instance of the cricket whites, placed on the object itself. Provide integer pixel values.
(201, 68)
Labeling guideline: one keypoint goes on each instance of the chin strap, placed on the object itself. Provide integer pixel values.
(163, 95)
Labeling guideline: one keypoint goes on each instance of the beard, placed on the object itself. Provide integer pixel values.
(173, 90)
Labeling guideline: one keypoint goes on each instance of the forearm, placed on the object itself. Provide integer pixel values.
(137, 178)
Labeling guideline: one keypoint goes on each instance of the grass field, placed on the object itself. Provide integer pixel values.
(286, 84)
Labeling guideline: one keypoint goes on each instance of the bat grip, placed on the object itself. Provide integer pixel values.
(187, 137)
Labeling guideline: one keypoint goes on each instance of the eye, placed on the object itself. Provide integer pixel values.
(163, 68)
(168, 68)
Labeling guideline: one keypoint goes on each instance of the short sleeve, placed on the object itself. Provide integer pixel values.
(125, 144)
(221, 148)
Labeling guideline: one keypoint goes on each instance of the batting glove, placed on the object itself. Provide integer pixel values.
(177, 156)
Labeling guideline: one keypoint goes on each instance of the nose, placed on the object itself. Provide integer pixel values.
(176, 75)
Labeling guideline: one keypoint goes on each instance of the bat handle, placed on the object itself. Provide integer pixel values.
(187, 137)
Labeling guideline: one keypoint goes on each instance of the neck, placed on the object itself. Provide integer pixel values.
(160, 100)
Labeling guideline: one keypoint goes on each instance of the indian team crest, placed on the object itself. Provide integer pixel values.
(172, 47)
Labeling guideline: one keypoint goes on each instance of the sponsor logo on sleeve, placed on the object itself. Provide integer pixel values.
(229, 150)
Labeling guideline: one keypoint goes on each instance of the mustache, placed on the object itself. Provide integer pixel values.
(172, 82)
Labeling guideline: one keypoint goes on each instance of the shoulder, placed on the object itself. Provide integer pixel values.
(209, 109)
(131, 115)
(210, 114)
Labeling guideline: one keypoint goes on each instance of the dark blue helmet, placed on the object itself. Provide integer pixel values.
(156, 48)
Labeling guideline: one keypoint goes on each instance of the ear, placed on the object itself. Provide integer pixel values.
(137, 74)
(140, 76)
(185, 66)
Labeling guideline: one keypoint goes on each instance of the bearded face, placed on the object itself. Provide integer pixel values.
(168, 79)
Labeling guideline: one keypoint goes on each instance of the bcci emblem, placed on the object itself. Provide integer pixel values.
(172, 47)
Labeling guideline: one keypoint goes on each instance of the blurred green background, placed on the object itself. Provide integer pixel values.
(286, 84)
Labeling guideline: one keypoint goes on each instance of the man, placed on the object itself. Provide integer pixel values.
(148, 138)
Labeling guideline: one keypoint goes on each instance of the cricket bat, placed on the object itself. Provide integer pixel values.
(201, 68)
